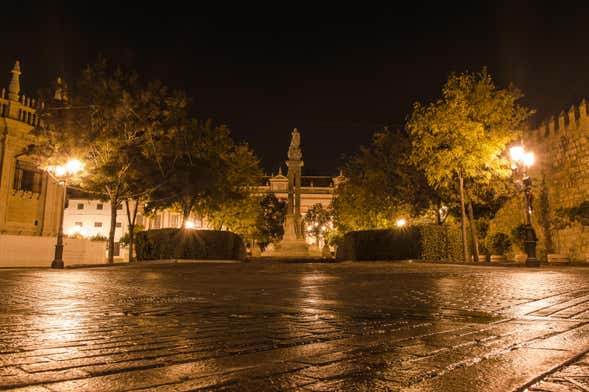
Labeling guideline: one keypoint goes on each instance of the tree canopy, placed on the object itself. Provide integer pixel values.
(318, 223)
(381, 186)
(466, 130)
(204, 170)
(461, 138)
(138, 143)
(105, 123)
(270, 223)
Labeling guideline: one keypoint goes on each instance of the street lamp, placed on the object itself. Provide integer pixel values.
(522, 161)
(62, 174)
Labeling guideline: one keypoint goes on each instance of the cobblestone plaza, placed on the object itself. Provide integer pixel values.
(277, 326)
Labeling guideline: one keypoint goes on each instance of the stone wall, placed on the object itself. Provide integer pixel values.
(560, 179)
(37, 251)
(22, 210)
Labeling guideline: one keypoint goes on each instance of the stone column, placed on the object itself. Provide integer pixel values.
(293, 243)
(294, 195)
(290, 210)
(292, 227)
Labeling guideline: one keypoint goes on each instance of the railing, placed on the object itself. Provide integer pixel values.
(23, 110)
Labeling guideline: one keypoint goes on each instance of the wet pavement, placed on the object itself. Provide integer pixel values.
(272, 326)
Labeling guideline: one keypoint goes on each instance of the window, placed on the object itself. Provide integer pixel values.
(27, 178)
(78, 224)
(119, 224)
(99, 206)
(80, 206)
(97, 224)
(174, 221)
(120, 207)
(157, 222)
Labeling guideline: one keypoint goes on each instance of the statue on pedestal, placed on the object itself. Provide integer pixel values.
(294, 151)
(293, 242)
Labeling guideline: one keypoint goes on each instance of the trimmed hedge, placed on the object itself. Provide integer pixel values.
(426, 242)
(164, 244)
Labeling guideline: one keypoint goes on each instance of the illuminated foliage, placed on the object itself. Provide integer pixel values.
(467, 130)
(318, 223)
(461, 138)
(106, 124)
(382, 185)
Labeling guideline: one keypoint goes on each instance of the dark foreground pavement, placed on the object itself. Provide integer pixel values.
(286, 326)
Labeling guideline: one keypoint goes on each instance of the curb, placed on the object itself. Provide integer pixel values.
(507, 264)
(153, 262)
(270, 259)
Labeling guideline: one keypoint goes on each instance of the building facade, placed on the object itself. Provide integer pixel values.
(30, 200)
(91, 218)
(314, 189)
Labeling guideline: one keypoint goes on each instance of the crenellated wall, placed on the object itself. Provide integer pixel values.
(560, 179)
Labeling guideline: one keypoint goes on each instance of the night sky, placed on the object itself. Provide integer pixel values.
(336, 74)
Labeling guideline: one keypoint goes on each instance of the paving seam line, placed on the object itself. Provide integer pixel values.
(552, 371)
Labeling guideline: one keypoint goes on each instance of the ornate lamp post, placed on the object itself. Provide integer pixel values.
(62, 174)
(521, 162)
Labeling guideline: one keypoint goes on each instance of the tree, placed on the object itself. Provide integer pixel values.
(103, 126)
(381, 186)
(238, 214)
(318, 223)
(461, 137)
(270, 222)
(203, 169)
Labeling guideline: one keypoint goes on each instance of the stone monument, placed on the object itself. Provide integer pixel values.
(293, 243)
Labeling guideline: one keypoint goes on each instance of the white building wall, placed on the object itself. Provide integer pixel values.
(36, 251)
(86, 217)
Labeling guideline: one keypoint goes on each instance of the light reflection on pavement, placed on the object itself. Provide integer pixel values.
(284, 326)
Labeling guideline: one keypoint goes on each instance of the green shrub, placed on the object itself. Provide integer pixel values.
(440, 242)
(518, 235)
(164, 244)
(498, 243)
(428, 242)
(483, 248)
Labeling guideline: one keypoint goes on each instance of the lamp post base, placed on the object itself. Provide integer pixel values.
(530, 246)
(58, 260)
(532, 263)
(57, 264)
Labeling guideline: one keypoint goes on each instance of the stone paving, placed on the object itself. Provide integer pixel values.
(271, 326)
(574, 377)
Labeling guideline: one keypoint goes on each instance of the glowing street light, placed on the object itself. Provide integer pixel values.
(401, 222)
(521, 162)
(189, 225)
(62, 173)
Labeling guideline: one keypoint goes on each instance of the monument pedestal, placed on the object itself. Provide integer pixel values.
(293, 243)
(291, 246)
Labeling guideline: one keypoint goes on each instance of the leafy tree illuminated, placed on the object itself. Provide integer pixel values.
(106, 124)
(461, 138)
(381, 186)
(318, 223)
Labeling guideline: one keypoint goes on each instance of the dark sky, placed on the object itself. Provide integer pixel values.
(336, 74)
